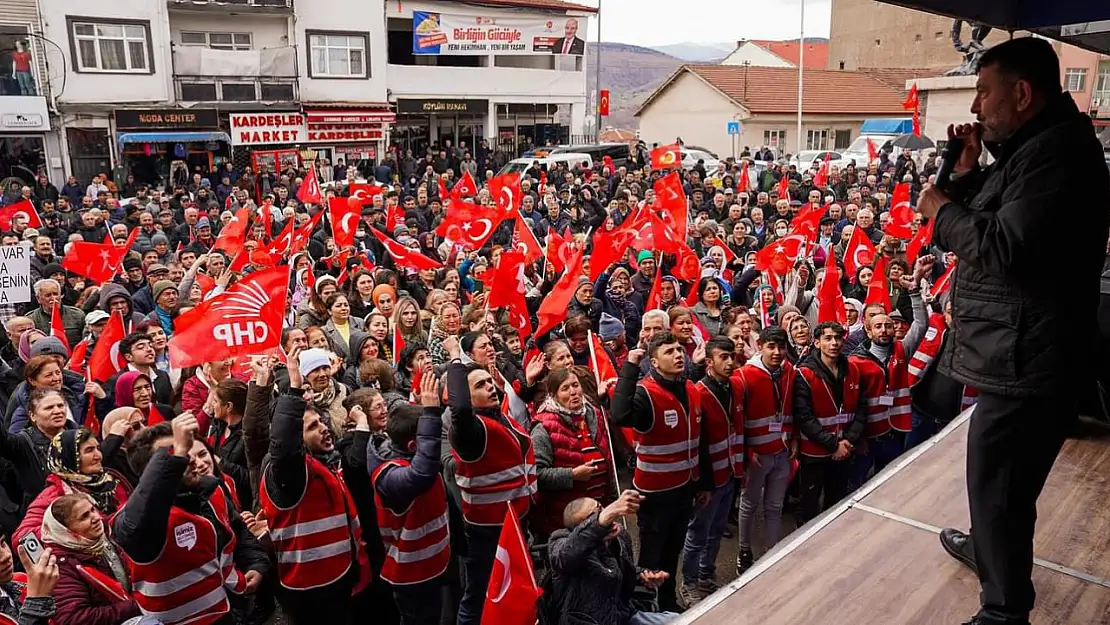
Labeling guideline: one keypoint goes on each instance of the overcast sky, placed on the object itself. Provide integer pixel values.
(659, 22)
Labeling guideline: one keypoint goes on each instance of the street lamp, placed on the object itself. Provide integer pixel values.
(801, 70)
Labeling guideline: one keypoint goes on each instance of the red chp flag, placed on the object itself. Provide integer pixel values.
(403, 256)
(309, 191)
(512, 594)
(860, 252)
(344, 220)
(22, 207)
(666, 157)
(245, 319)
(106, 360)
(57, 328)
(878, 291)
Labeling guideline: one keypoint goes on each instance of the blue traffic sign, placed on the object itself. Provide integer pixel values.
(733, 128)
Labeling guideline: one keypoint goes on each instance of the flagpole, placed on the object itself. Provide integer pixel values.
(801, 70)
(601, 415)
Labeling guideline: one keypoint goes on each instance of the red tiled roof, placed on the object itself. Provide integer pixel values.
(550, 5)
(816, 54)
(775, 90)
(896, 78)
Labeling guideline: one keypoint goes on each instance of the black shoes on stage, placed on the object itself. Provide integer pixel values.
(958, 545)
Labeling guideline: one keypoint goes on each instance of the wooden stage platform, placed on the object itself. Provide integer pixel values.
(876, 557)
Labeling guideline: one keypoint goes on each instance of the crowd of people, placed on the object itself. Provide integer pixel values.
(366, 467)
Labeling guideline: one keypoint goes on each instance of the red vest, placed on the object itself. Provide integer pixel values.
(505, 473)
(417, 541)
(221, 505)
(725, 432)
(886, 391)
(318, 538)
(927, 350)
(230, 484)
(185, 583)
(573, 447)
(767, 409)
(831, 416)
(667, 454)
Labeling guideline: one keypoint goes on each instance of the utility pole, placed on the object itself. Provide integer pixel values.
(801, 71)
(597, 78)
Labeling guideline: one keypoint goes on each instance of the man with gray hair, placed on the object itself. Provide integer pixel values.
(48, 293)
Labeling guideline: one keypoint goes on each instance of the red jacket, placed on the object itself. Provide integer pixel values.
(55, 488)
(193, 395)
(77, 602)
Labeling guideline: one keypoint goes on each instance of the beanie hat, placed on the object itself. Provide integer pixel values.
(49, 345)
(609, 328)
(132, 263)
(313, 359)
(161, 286)
(159, 238)
(203, 223)
(51, 269)
(644, 255)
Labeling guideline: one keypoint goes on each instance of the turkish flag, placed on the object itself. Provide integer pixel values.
(688, 267)
(603, 103)
(301, 236)
(309, 191)
(505, 192)
(670, 201)
(808, 222)
(245, 319)
(878, 291)
(234, 234)
(344, 221)
(922, 240)
(821, 180)
(280, 245)
(265, 217)
(779, 256)
(744, 180)
(912, 101)
(945, 281)
(860, 252)
(654, 299)
(155, 417)
(666, 156)
(872, 152)
(96, 261)
(783, 188)
(512, 594)
(610, 247)
(403, 256)
(901, 213)
(106, 360)
(469, 224)
(77, 358)
(398, 345)
(830, 300)
(525, 240)
(506, 281)
(600, 362)
(553, 308)
(57, 328)
(465, 186)
(362, 192)
(560, 249)
(25, 207)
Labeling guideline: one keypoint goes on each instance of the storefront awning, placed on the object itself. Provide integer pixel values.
(172, 137)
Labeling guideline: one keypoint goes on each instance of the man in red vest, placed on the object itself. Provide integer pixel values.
(767, 406)
(411, 501)
(830, 413)
(178, 525)
(309, 509)
(723, 424)
(495, 466)
(672, 456)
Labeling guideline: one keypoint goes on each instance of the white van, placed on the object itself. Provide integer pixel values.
(572, 159)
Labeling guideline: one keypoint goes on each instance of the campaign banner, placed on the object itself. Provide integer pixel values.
(463, 35)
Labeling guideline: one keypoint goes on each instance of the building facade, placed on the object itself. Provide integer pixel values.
(162, 89)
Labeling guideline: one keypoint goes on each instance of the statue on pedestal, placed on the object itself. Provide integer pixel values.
(971, 50)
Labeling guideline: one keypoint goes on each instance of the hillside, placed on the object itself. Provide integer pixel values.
(630, 73)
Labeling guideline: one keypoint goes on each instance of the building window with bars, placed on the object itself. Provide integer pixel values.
(817, 139)
(774, 138)
(1075, 79)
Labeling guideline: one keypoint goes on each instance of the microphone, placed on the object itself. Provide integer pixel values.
(952, 151)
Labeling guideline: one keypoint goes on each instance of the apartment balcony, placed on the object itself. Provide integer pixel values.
(250, 7)
(1100, 105)
(230, 76)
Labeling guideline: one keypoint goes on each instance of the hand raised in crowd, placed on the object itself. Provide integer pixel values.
(120, 427)
(263, 369)
(924, 266)
(185, 429)
(698, 356)
(94, 389)
(635, 356)
(451, 344)
(295, 378)
(533, 371)
(429, 389)
(223, 278)
(358, 415)
(628, 503)
(42, 576)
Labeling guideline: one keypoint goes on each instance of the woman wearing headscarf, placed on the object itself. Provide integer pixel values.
(612, 290)
(446, 323)
(133, 388)
(384, 299)
(29, 338)
(93, 581)
(76, 465)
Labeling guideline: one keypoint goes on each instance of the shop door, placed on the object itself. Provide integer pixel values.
(89, 152)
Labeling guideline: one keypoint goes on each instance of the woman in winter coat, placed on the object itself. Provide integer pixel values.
(341, 326)
(29, 450)
(93, 580)
(76, 465)
(134, 389)
(573, 454)
(613, 290)
(197, 387)
(312, 311)
(48, 371)
(710, 306)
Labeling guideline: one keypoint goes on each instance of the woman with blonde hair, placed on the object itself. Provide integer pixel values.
(406, 318)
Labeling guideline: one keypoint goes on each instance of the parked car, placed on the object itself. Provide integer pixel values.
(691, 156)
(813, 158)
(572, 159)
(619, 152)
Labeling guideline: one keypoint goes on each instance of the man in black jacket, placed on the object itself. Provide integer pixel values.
(1015, 339)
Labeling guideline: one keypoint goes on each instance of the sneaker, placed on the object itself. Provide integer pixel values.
(744, 561)
(689, 595)
(708, 587)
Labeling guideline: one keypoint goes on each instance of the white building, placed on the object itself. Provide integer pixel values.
(149, 85)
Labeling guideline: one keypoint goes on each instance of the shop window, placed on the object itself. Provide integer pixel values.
(338, 54)
(120, 46)
(17, 62)
(277, 92)
(89, 152)
(198, 91)
(238, 92)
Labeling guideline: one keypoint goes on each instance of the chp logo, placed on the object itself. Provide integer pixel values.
(243, 313)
